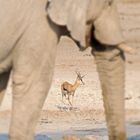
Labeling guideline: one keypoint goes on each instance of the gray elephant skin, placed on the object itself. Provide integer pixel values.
(28, 47)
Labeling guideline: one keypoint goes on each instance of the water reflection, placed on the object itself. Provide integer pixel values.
(45, 137)
(133, 132)
(37, 137)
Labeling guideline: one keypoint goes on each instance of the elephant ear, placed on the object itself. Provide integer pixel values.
(70, 13)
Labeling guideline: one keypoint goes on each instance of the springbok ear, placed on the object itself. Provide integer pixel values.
(71, 13)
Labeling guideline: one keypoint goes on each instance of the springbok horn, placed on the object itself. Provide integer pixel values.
(78, 73)
(83, 76)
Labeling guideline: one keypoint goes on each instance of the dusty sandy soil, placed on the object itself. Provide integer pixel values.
(87, 114)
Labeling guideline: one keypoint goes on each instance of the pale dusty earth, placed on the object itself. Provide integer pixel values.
(87, 115)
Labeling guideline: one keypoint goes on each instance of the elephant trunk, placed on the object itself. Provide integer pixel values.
(110, 65)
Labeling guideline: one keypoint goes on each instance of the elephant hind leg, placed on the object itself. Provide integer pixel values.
(4, 77)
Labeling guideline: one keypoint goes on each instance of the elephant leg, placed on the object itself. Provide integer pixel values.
(30, 89)
(4, 77)
(110, 65)
(33, 63)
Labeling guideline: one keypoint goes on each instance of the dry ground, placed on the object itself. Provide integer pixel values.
(88, 107)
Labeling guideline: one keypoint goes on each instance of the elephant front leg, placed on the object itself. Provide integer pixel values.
(29, 94)
(110, 65)
(33, 65)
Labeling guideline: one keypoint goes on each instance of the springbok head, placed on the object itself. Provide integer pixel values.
(79, 77)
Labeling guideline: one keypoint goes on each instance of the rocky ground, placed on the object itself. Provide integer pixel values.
(87, 115)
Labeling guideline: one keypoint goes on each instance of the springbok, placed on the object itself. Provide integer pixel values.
(68, 89)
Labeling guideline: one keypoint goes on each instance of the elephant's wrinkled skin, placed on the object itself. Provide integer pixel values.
(27, 46)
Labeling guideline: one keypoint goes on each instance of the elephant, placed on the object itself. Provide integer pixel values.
(99, 28)
(29, 32)
(28, 48)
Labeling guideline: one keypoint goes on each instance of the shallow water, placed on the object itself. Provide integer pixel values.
(133, 132)
(37, 137)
